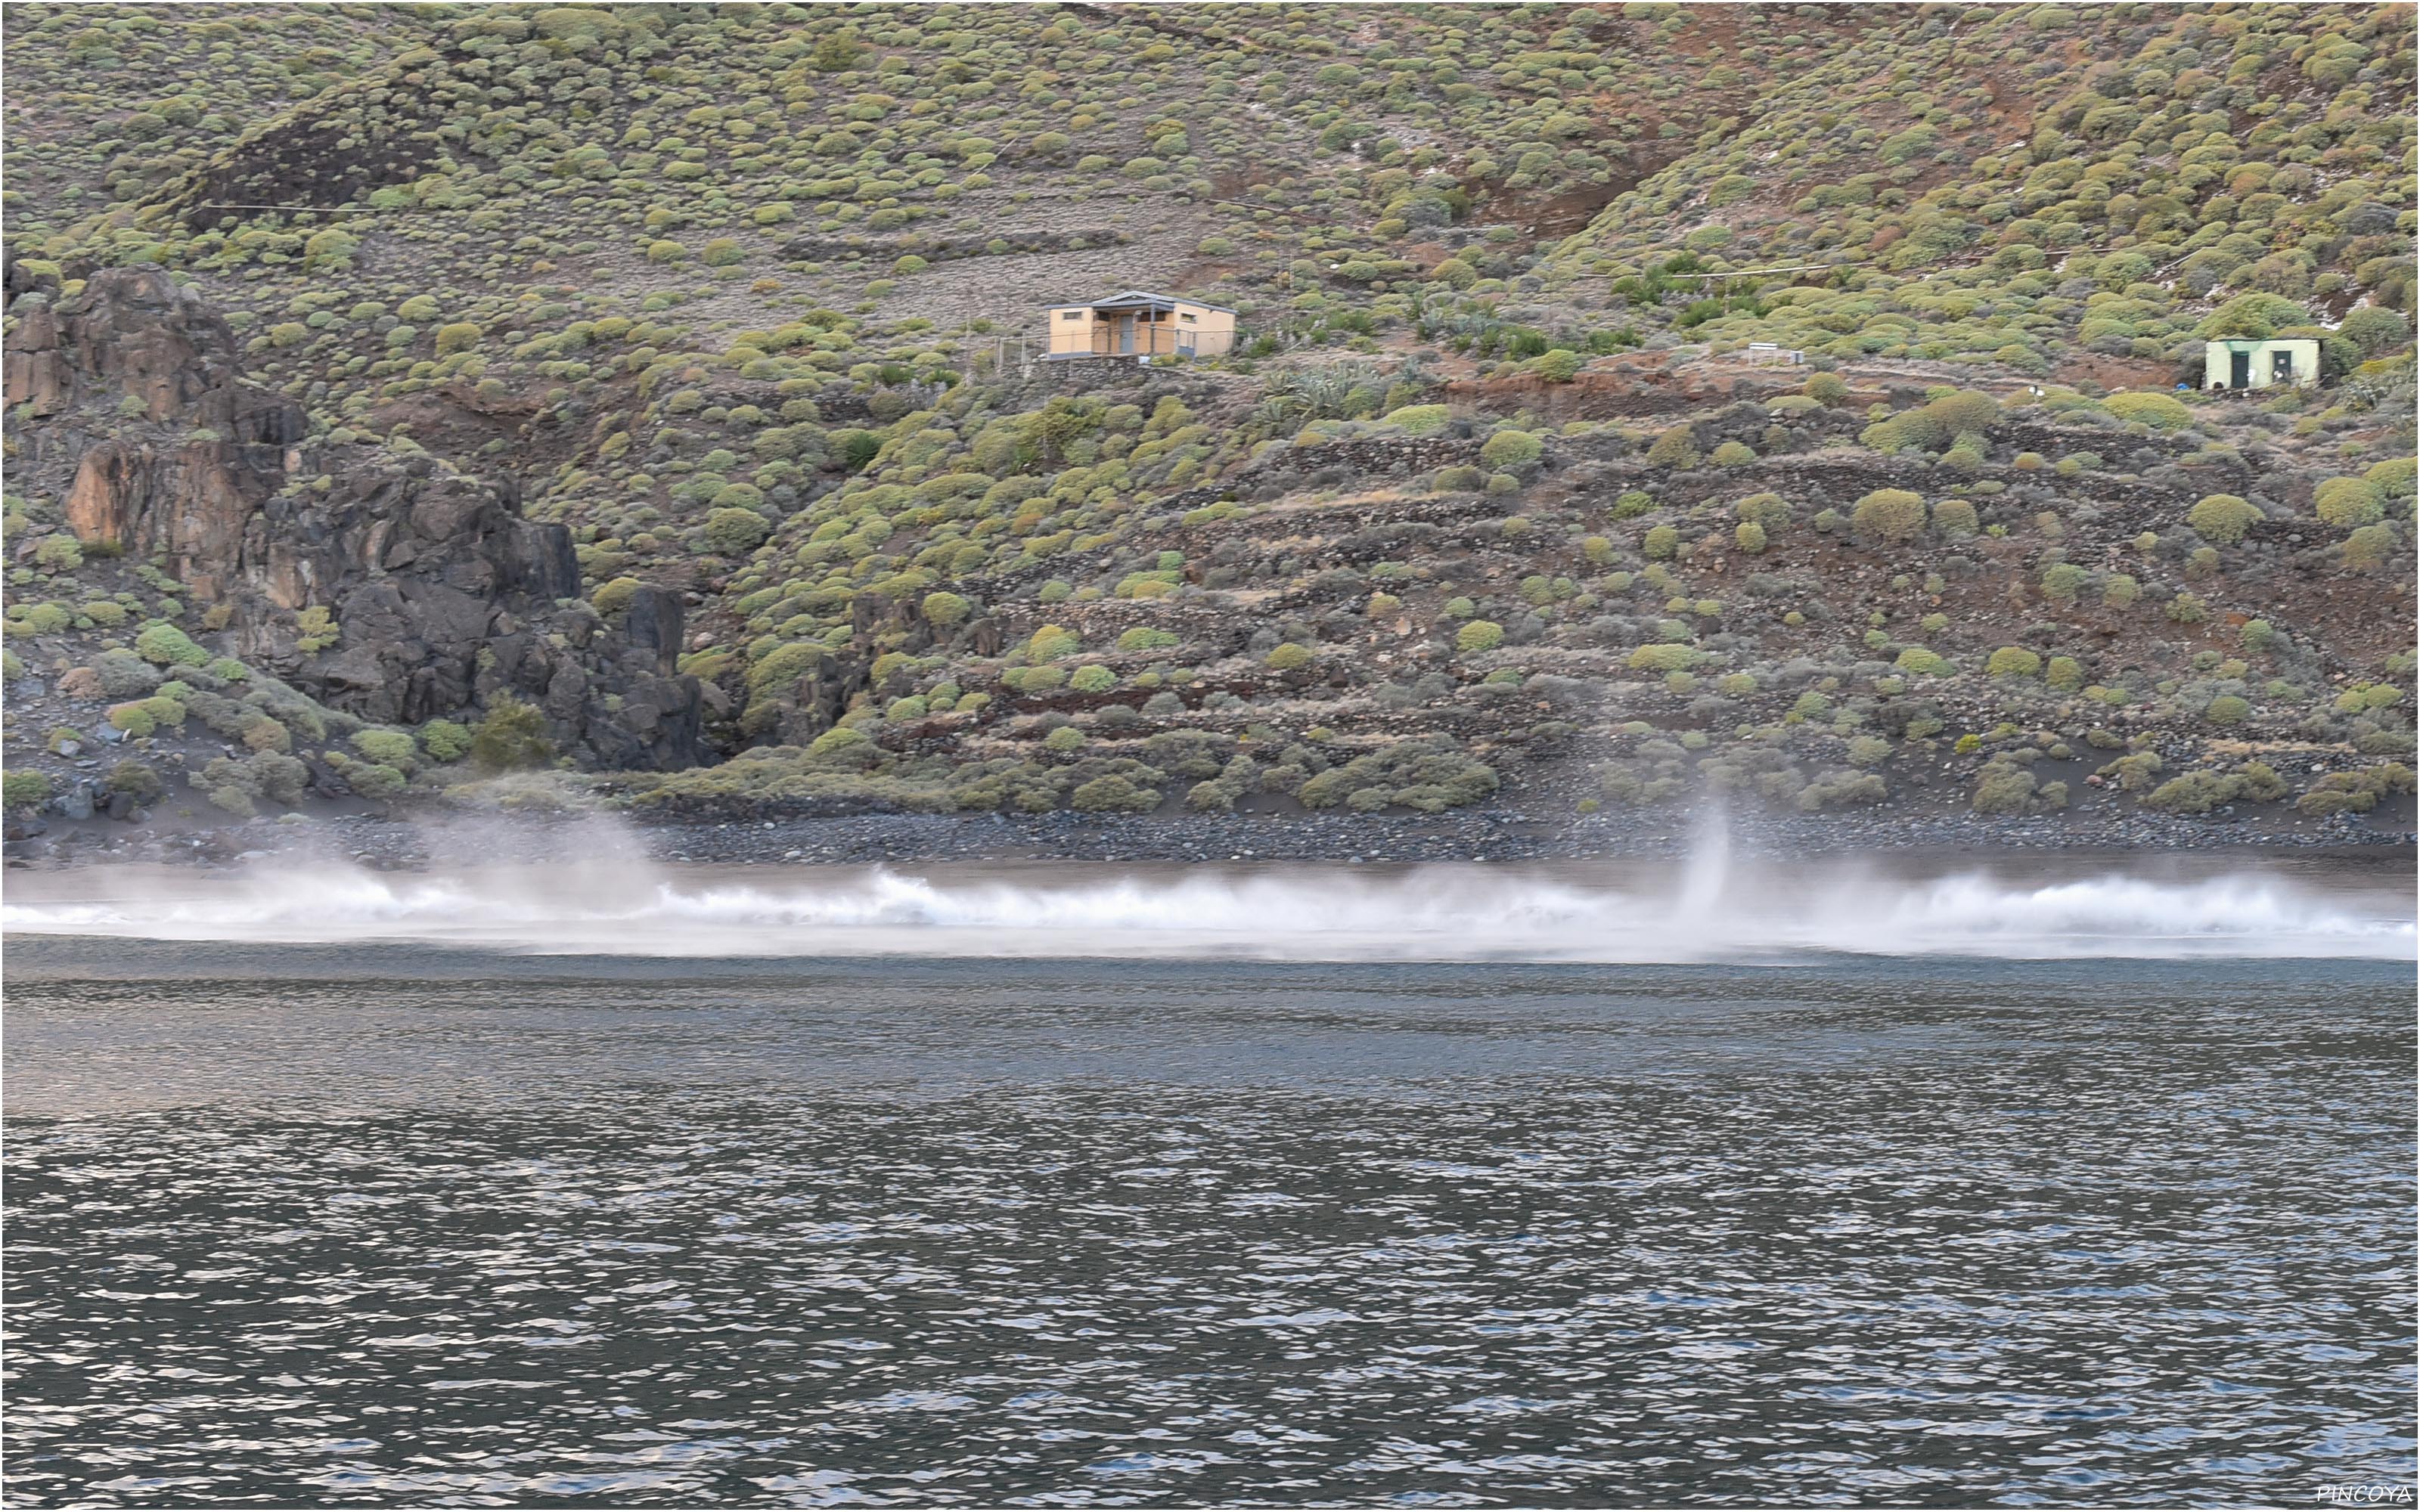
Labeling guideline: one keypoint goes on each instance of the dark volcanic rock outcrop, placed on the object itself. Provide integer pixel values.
(384, 583)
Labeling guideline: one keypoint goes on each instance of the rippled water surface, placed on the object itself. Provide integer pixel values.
(333, 1225)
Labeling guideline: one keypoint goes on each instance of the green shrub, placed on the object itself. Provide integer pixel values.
(734, 531)
(1892, 515)
(1052, 641)
(371, 780)
(1661, 541)
(1115, 793)
(2012, 661)
(512, 737)
(22, 789)
(1511, 448)
(2198, 793)
(2347, 502)
(2223, 517)
(2370, 546)
(163, 646)
(1420, 419)
(2158, 410)
(390, 748)
(1098, 679)
(2002, 788)
(1665, 659)
(2354, 792)
(1458, 479)
(1478, 634)
(1288, 656)
(444, 740)
(942, 607)
(614, 596)
(316, 629)
(1675, 448)
(1559, 365)
(140, 783)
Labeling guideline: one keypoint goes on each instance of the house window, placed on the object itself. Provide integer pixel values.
(1071, 315)
(1187, 317)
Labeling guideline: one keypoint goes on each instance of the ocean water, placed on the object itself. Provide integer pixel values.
(447, 1213)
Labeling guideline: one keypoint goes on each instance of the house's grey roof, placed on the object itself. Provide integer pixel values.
(1138, 298)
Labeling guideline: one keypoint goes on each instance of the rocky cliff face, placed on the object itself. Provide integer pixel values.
(384, 584)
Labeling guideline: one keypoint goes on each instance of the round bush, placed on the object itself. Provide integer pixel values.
(1511, 448)
(733, 531)
(164, 645)
(2223, 517)
(390, 748)
(1479, 635)
(2347, 502)
(1288, 656)
(614, 596)
(2157, 410)
(2014, 661)
(1665, 659)
(1675, 448)
(1888, 514)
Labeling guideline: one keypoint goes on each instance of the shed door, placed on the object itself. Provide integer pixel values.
(1125, 333)
(2240, 370)
(2281, 367)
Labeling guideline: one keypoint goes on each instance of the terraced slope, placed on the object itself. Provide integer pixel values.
(1495, 503)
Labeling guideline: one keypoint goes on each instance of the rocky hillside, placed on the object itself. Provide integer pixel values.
(650, 391)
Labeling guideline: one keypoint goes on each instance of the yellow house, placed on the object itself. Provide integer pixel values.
(2251, 363)
(1140, 325)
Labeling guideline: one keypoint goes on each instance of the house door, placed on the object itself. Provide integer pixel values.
(2281, 367)
(1126, 335)
(2240, 370)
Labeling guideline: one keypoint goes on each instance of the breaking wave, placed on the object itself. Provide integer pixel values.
(1706, 911)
